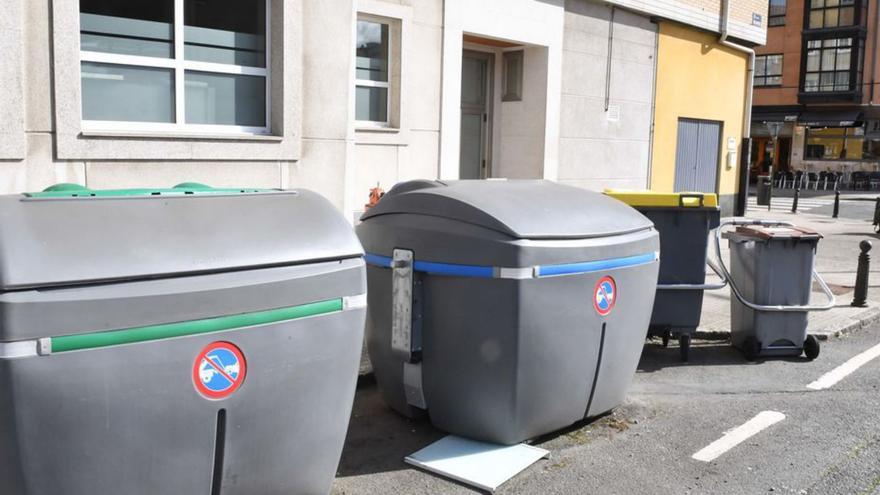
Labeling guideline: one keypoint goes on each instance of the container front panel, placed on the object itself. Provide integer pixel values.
(472, 350)
(684, 241)
(625, 330)
(128, 419)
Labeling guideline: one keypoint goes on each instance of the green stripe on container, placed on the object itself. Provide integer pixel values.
(193, 327)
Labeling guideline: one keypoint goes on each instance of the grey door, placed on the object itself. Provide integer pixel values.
(696, 155)
(476, 107)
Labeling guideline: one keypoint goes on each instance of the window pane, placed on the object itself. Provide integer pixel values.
(841, 81)
(225, 31)
(371, 104)
(761, 66)
(817, 4)
(843, 59)
(774, 81)
(225, 99)
(129, 94)
(827, 59)
(831, 18)
(774, 65)
(816, 19)
(871, 149)
(811, 82)
(825, 143)
(372, 51)
(132, 27)
(847, 16)
(826, 81)
(777, 7)
(832, 3)
(814, 44)
(813, 61)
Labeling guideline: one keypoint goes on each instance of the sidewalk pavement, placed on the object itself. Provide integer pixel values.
(836, 261)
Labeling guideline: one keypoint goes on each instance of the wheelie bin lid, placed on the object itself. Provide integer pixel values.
(655, 199)
(522, 209)
(765, 233)
(67, 234)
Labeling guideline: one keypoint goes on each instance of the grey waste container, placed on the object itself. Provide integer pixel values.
(764, 190)
(178, 341)
(506, 309)
(771, 274)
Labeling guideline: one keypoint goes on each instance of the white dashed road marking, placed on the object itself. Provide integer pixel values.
(784, 204)
(832, 377)
(738, 435)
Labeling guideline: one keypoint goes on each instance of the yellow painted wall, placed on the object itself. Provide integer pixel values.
(697, 78)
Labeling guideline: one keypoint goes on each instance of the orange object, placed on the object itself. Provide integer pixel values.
(376, 194)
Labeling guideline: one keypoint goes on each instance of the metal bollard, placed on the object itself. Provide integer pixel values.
(836, 204)
(860, 297)
(877, 215)
(794, 204)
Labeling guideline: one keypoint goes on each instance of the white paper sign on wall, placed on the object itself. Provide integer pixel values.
(613, 113)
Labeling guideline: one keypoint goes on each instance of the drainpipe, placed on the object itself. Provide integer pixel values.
(750, 88)
(874, 51)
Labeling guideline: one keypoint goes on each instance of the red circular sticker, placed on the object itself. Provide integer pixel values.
(605, 295)
(219, 370)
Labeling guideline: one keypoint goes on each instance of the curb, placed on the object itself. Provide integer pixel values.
(871, 316)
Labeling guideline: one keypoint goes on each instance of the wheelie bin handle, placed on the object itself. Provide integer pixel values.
(760, 307)
(718, 286)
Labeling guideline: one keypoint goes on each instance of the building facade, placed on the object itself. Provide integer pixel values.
(816, 88)
(341, 95)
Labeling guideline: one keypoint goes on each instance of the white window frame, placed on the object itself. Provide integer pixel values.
(377, 84)
(180, 65)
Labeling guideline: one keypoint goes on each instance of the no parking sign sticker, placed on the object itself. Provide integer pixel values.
(605, 296)
(219, 370)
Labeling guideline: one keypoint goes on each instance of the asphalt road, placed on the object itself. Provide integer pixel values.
(827, 443)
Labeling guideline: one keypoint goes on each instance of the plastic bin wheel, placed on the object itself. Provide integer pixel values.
(684, 346)
(751, 348)
(811, 347)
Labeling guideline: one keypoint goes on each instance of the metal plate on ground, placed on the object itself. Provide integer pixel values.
(482, 465)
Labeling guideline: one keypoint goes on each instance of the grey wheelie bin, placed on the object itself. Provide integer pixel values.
(179, 341)
(684, 221)
(771, 275)
(506, 309)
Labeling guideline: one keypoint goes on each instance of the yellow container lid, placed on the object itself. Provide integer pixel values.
(663, 199)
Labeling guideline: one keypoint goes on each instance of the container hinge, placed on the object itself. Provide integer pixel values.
(44, 346)
(406, 311)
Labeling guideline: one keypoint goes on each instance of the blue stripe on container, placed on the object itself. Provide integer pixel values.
(474, 271)
(478, 271)
(595, 266)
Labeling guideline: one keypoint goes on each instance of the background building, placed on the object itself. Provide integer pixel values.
(816, 88)
(339, 95)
